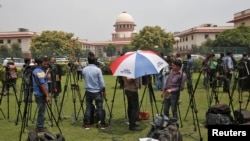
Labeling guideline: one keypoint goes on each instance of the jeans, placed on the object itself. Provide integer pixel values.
(97, 97)
(41, 105)
(79, 75)
(133, 107)
(171, 101)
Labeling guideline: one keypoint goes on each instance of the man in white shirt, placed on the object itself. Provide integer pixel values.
(5, 61)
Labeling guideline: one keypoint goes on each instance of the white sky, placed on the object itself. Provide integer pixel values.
(94, 19)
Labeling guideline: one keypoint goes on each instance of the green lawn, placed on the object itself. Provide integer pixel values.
(118, 130)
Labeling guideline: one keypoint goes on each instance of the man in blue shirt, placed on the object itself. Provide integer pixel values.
(230, 66)
(40, 89)
(94, 90)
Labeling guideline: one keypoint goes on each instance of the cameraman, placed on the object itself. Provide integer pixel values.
(10, 77)
(40, 89)
(55, 74)
(27, 79)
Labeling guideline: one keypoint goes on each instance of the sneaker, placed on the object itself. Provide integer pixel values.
(86, 126)
(44, 129)
(104, 126)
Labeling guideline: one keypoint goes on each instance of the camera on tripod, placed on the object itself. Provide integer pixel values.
(10, 72)
(243, 75)
(184, 66)
(27, 73)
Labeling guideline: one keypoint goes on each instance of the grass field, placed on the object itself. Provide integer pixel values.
(118, 130)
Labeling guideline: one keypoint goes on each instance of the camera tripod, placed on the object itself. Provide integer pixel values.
(242, 80)
(1, 108)
(152, 99)
(213, 84)
(113, 99)
(1, 100)
(192, 103)
(7, 84)
(74, 90)
(26, 93)
(24, 120)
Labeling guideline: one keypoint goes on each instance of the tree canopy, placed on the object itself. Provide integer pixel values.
(14, 50)
(55, 43)
(238, 37)
(153, 38)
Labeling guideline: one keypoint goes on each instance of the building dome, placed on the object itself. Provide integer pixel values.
(124, 17)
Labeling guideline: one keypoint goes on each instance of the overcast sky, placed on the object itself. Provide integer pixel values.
(94, 19)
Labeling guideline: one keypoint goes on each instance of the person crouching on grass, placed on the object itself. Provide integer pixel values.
(171, 93)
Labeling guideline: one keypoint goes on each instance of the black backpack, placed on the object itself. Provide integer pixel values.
(170, 133)
(95, 118)
(219, 114)
(222, 67)
(165, 129)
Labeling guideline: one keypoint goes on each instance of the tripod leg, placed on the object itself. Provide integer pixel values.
(64, 92)
(53, 117)
(112, 105)
(49, 115)
(34, 116)
(24, 117)
(124, 101)
(1, 96)
(152, 100)
(80, 99)
(20, 100)
(23, 121)
(143, 94)
(107, 106)
(248, 99)
(81, 106)
(179, 112)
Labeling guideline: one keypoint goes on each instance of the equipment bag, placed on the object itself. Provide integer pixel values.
(242, 116)
(219, 114)
(94, 117)
(218, 119)
(170, 133)
(47, 136)
(219, 109)
(165, 129)
(143, 115)
(33, 136)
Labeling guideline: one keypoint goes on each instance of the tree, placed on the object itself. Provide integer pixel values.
(110, 50)
(153, 38)
(4, 51)
(16, 50)
(53, 43)
(206, 47)
(238, 37)
(126, 48)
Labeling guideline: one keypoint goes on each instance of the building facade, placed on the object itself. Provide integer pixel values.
(186, 40)
(23, 37)
(241, 18)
